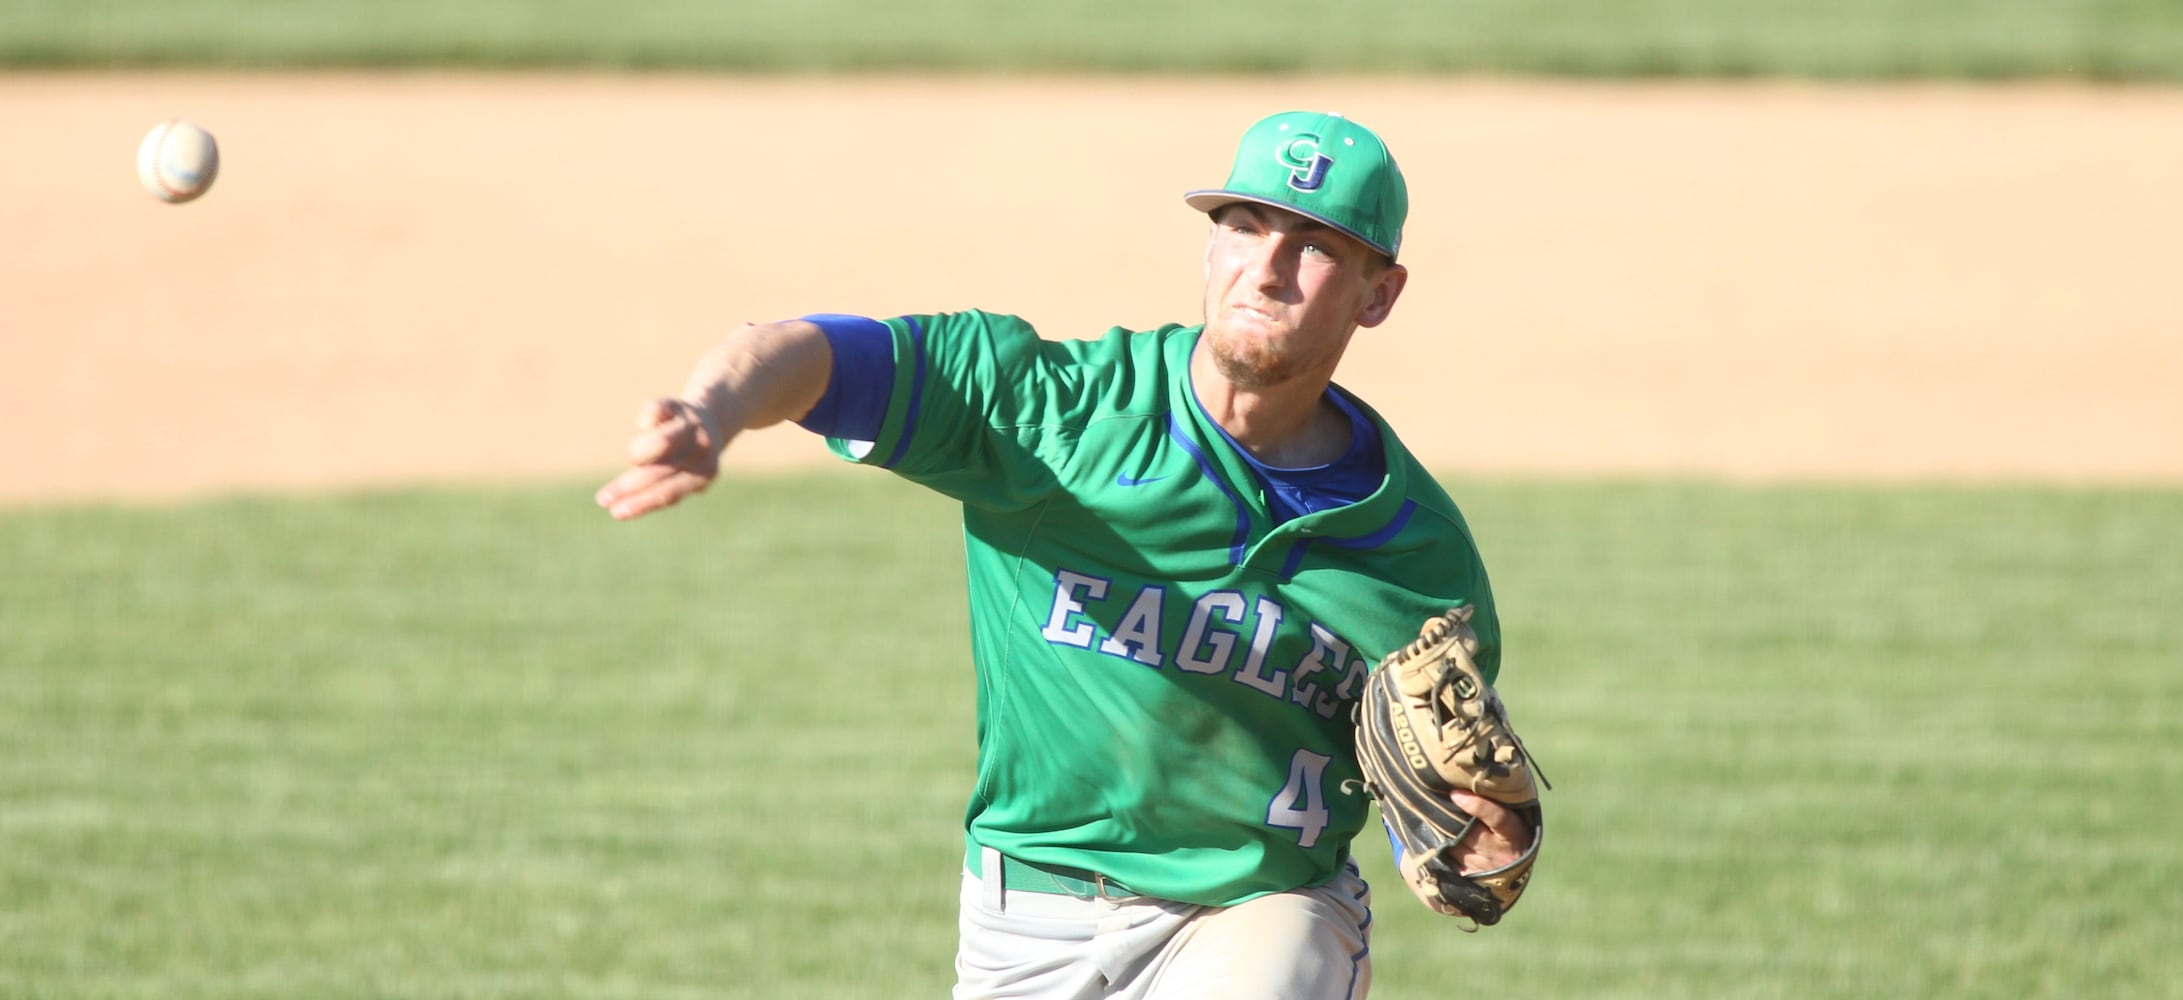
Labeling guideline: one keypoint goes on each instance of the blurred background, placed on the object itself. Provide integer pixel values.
(1807, 372)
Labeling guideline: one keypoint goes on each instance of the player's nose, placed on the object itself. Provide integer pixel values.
(1270, 263)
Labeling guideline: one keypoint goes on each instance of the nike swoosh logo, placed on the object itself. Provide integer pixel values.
(1128, 480)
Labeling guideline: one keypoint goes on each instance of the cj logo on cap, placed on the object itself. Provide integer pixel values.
(1307, 166)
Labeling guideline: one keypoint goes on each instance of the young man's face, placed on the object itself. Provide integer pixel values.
(1283, 294)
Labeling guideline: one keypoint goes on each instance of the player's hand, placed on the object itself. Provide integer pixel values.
(675, 453)
(1499, 837)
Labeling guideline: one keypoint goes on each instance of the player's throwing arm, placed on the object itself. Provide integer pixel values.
(756, 377)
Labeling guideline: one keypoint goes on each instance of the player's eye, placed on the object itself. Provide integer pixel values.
(1239, 219)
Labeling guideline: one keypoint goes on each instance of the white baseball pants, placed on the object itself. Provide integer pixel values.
(1306, 944)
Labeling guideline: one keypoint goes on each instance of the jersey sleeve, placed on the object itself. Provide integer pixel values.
(860, 380)
(981, 409)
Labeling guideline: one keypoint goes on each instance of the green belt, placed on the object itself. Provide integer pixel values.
(1056, 880)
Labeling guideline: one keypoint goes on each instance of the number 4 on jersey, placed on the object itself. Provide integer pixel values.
(1301, 804)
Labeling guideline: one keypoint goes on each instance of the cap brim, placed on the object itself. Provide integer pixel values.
(1212, 199)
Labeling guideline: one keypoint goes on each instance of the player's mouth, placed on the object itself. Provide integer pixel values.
(1253, 316)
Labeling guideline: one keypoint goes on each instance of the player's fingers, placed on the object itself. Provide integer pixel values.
(667, 492)
(629, 482)
(677, 442)
(677, 436)
(651, 447)
(1499, 818)
(1482, 850)
(655, 420)
(1498, 838)
(654, 412)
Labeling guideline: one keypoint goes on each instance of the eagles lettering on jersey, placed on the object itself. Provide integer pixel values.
(1227, 634)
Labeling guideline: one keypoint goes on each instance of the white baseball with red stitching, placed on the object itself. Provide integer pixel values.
(177, 161)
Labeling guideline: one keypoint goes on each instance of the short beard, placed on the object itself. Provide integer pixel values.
(1250, 364)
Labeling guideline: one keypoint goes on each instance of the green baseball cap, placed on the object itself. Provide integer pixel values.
(1323, 167)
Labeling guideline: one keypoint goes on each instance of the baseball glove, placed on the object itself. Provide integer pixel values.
(1428, 724)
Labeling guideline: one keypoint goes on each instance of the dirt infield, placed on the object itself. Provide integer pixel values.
(405, 279)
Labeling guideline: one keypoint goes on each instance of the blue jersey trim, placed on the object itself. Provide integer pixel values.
(1294, 492)
(861, 382)
(917, 395)
(1372, 541)
(1205, 465)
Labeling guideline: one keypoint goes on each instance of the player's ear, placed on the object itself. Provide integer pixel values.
(1386, 288)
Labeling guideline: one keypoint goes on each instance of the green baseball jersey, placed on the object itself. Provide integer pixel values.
(1165, 677)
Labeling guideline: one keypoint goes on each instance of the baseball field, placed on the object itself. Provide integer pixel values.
(1822, 436)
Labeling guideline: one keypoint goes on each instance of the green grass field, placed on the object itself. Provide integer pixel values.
(1805, 743)
(2086, 39)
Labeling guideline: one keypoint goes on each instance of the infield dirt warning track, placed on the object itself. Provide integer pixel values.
(421, 278)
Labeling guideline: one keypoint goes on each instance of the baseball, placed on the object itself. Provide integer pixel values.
(177, 161)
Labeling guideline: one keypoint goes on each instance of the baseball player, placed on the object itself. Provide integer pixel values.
(1185, 548)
